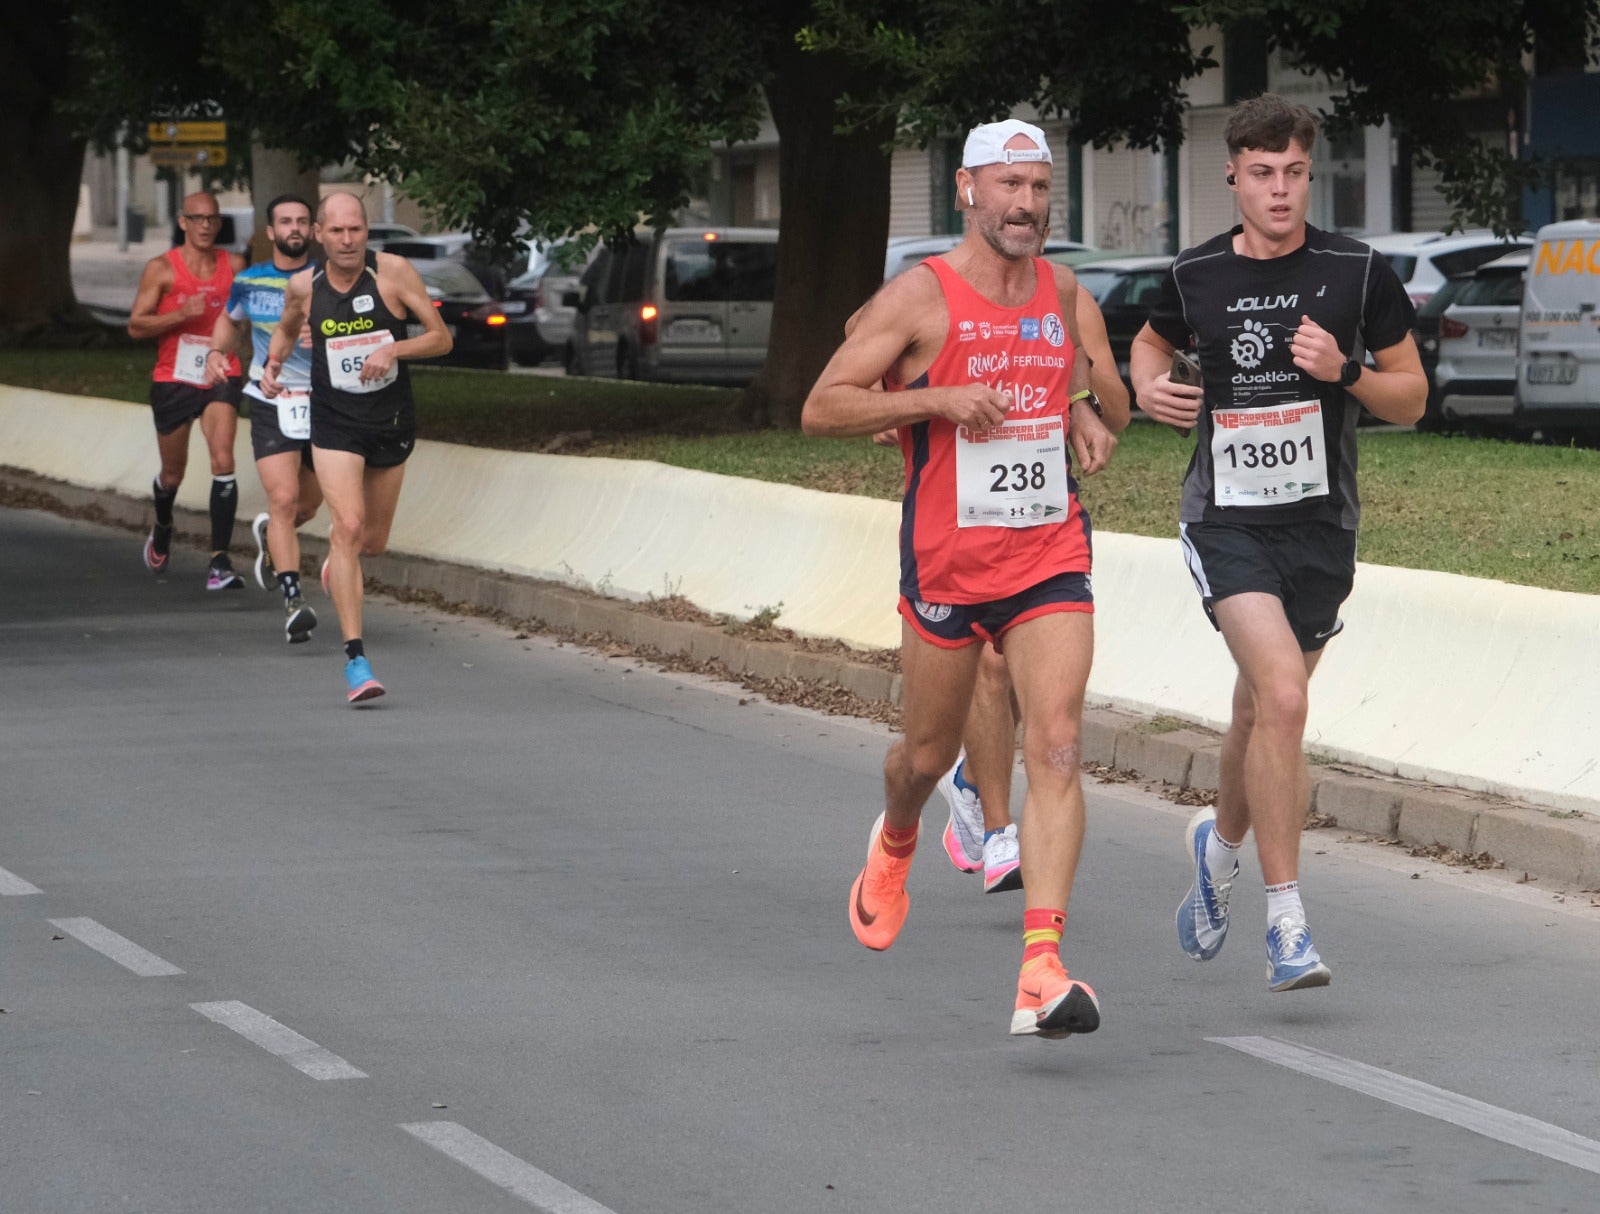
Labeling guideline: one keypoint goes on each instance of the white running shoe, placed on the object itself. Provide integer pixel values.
(265, 574)
(963, 835)
(1002, 861)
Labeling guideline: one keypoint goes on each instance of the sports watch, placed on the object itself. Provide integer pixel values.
(1350, 372)
(1089, 398)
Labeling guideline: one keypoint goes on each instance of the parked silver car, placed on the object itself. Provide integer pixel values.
(1476, 375)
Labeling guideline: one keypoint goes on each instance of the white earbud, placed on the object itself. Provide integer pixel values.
(970, 201)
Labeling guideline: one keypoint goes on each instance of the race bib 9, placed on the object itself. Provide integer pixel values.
(1268, 456)
(189, 364)
(347, 355)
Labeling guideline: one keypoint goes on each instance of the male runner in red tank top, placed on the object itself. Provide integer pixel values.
(981, 356)
(181, 294)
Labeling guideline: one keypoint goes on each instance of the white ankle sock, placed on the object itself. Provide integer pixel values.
(1221, 856)
(1284, 900)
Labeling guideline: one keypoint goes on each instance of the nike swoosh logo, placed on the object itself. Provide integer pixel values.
(867, 920)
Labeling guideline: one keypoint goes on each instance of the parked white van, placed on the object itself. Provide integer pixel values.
(1560, 346)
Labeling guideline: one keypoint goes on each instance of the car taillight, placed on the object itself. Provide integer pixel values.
(438, 303)
(490, 314)
(1451, 328)
(495, 319)
(647, 324)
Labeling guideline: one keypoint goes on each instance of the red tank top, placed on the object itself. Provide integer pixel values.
(181, 353)
(986, 516)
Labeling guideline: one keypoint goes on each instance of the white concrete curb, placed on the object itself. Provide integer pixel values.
(1455, 680)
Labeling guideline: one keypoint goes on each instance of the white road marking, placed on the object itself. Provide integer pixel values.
(1514, 1129)
(14, 886)
(299, 1052)
(539, 1189)
(119, 948)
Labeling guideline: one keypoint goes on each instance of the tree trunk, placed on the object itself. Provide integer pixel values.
(274, 171)
(41, 164)
(834, 194)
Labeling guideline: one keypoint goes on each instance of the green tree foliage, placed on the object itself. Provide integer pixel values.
(1406, 62)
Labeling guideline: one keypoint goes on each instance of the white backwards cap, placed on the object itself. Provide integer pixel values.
(987, 145)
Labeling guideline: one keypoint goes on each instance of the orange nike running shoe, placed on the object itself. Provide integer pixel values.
(878, 899)
(1050, 1004)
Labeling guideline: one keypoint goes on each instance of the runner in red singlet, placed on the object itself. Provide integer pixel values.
(980, 354)
(181, 294)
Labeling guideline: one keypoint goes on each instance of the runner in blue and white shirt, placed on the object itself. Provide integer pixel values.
(280, 428)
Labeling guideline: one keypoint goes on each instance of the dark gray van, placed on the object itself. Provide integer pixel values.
(686, 305)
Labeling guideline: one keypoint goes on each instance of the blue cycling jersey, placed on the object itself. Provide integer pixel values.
(257, 296)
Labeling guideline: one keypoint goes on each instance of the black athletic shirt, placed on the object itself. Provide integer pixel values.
(356, 313)
(1242, 313)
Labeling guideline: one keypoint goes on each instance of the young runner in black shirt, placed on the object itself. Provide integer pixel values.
(1279, 315)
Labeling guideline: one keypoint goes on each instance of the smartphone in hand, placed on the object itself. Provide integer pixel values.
(1186, 371)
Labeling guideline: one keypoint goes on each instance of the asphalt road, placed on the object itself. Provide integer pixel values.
(581, 927)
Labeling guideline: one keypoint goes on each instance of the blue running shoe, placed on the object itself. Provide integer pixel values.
(1292, 958)
(358, 677)
(1203, 914)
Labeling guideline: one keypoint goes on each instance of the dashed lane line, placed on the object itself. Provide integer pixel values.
(1502, 1125)
(119, 948)
(517, 1177)
(13, 886)
(305, 1055)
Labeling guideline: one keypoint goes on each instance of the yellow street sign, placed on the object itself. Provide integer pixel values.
(190, 157)
(188, 132)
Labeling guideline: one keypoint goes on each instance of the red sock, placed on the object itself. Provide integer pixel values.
(898, 843)
(1041, 933)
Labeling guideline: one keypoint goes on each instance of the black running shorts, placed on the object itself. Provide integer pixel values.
(382, 445)
(267, 439)
(1309, 566)
(175, 405)
(957, 625)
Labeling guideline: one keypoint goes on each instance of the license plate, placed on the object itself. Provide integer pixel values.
(514, 307)
(1497, 339)
(1552, 373)
(694, 330)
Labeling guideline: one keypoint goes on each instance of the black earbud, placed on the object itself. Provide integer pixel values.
(1311, 176)
(1230, 178)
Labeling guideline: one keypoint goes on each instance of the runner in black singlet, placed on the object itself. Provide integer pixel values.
(362, 419)
(1279, 314)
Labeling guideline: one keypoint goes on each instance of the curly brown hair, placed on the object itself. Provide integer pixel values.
(1267, 123)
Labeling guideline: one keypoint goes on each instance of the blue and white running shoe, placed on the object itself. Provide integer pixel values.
(1203, 914)
(358, 677)
(1293, 963)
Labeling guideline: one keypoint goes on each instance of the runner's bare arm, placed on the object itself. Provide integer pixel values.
(227, 337)
(1150, 368)
(1090, 437)
(883, 438)
(843, 402)
(1396, 392)
(1103, 377)
(156, 280)
(296, 308)
(435, 339)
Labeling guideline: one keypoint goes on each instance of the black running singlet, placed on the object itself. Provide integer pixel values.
(344, 330)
